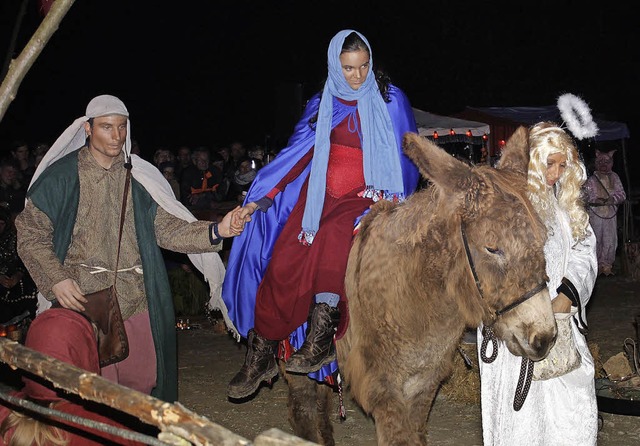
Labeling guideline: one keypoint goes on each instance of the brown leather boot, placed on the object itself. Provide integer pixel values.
(318, 348)
(259, 365)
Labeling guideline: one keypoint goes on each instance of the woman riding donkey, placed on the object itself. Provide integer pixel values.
(289, 265)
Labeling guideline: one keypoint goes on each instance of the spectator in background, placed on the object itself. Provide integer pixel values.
(24, 162)
(161, 156)
(168, 170)
(41, 148)
(12, 191)
(237, 154)
(199, 183)
(18, 293)
(217, 163)
(225, 153)
(38, 153)
(242, 179)
(227, 167)
(183, 160)
(257, 154)
(604, 194)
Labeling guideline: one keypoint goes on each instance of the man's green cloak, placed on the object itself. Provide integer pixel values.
(57, 193)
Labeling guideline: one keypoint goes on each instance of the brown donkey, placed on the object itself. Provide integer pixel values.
(466, 250)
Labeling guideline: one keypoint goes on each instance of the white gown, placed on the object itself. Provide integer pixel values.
(557, 411)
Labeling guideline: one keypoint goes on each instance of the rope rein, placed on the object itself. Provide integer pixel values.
(524, 382)
(488, 336)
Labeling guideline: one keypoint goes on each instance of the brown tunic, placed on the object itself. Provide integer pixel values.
(91, 257)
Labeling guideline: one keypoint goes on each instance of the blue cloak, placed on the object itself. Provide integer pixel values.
(251, 251)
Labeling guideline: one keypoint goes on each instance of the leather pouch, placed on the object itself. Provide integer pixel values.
(103, 310)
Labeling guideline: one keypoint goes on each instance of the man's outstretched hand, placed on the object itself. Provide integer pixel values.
(233, 223)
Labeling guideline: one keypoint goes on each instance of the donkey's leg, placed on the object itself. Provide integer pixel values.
(308, 411)
(400, 422)
(302, 406)
(324, 393)
(419, 409)
(392, 426)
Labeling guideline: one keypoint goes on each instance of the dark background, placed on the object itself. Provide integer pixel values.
(208, 72)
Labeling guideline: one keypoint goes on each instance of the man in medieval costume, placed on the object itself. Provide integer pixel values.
(68, 238)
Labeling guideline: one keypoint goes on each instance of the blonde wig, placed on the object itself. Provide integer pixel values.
(546, 138)
(30, 432)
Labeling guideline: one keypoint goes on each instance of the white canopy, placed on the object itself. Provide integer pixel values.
(429, 122)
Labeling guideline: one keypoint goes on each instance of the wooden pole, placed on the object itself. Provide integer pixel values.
(629, 234)
(172, 418)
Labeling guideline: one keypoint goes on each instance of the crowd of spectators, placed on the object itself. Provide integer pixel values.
(210, 179)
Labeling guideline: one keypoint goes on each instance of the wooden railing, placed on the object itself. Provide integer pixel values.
(172, 418)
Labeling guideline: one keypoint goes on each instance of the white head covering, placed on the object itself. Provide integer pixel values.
(74, 137)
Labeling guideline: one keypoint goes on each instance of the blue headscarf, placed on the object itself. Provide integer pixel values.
(382, 171)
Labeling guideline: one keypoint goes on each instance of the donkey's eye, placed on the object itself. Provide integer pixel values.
(496, 251)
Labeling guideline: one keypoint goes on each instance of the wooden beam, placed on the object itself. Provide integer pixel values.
(168, 417)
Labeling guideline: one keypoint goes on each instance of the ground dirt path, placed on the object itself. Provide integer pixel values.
(208, 359)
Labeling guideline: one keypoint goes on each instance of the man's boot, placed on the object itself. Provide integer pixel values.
(259, 365)
(318, 348)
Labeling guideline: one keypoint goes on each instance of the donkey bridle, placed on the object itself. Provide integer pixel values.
(523, 298)
(526, 369)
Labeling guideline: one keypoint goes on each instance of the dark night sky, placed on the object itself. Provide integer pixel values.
(206, 72)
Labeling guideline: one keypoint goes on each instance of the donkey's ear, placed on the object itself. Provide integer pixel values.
(515, 153)
(435, 163)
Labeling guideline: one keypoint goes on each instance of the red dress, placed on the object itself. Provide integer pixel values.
(296, 272)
